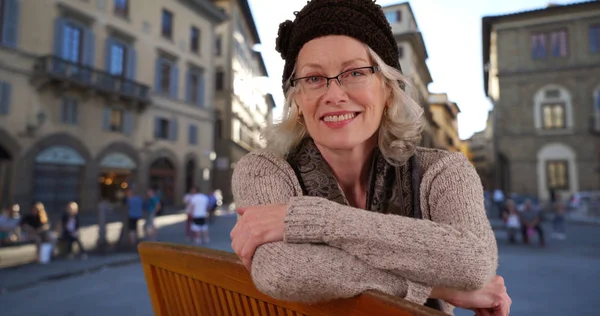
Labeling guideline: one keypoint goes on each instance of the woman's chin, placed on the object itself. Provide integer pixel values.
(338, 142)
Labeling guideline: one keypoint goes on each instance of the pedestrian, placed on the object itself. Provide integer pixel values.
(531, 220)
(153, 206)
(70, 230)
(342, 200)
(498, 201)
(198, 210)
(513, 222)
(558, 222)
(37, 228)
(135, 209)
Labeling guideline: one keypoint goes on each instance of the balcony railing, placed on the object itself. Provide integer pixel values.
(57, 69)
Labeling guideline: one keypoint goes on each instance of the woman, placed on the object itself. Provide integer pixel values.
(70, 230)
(333, 206)
(512, 220)
(37, 227)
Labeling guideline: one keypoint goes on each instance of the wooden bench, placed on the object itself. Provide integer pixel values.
(185, 280)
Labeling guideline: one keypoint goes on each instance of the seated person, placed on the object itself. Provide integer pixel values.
(37, 227)
(10, 231)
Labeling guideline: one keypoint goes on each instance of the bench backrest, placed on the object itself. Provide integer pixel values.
(184, 280)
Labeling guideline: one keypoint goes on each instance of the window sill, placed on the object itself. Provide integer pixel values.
(555, 132)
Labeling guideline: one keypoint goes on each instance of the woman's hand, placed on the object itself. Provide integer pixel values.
(491, 300)
(257, 225)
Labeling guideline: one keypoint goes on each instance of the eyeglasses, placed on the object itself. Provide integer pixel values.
(350, 79)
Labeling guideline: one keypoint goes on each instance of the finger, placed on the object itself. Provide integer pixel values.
(247, 264)
(234, 230)
(250, 246)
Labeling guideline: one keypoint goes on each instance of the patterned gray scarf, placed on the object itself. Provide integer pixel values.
(387, 192)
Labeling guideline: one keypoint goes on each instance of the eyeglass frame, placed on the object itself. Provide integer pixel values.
(374, 69)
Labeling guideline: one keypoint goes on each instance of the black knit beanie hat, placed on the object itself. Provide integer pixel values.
(363, 20)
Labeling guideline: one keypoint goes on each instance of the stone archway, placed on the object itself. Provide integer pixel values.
(56, 170)
(118, 166)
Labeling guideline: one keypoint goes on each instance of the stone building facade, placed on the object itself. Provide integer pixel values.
(542, 73)
(99, 96)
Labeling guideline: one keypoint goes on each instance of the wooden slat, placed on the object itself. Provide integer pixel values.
(208, 282)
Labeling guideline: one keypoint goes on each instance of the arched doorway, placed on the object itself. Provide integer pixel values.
(116, 174)
(162, 178)
(57, 177)
(190, 170)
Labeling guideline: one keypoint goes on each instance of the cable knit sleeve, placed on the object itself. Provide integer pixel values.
(455, 249)
(306, 272)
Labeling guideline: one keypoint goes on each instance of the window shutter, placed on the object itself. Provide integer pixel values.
(64, 117)
(59, 27)
(188, 88)
(201, 89)
(89, 47)
(131, 62)
(193, 135)
(74, 112)
(173, 131)
(10, 30)
(106, 119)
(158, 75)
(127, 123)
(594, 35)
(5, 91)
(157, 127)
(108, 54)
(174, 81)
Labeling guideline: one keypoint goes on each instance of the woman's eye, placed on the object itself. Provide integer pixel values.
(313, 79)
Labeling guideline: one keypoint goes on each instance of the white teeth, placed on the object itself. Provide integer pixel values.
(337, 118)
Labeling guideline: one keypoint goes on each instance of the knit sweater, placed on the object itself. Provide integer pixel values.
(336, 251)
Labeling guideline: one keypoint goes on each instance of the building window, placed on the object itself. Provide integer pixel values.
(558, 43)
(394, 17)
(553, 116)
(72, 43)
(165, 75)
(195, 87)
(162, 129)
(220, 80)
(165, 129)
(118, 59)
(2, 8)
(69, 111)
(167, 24)
(116, 121)
(9, 22)
(195, 40)
(193, 135)
(553, 109)
(5, 96)
(557, 174)
(538, 46)
(122, 8)
(594, 34)
(400, 51)
(218, 44)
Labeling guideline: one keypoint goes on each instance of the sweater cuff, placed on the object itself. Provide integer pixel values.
(417, 292)
(305, 220)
